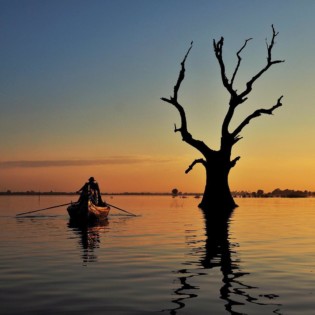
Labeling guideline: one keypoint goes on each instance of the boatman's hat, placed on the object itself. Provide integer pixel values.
(91, 179)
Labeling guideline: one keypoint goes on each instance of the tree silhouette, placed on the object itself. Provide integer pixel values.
(218, 163)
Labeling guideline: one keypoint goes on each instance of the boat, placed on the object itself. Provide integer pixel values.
(88, 212)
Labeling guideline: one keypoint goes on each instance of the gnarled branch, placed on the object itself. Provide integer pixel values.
(218, 50)
(186, 136)
(174, 99)
(237, 99)
(233, 162)
(239, 60)
(270, 62)
(181, 73)
(255, 114)
(202, 161)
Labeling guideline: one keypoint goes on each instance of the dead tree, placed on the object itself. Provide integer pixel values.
(218, 163)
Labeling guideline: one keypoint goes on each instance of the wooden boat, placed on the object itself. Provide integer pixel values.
(87, 212)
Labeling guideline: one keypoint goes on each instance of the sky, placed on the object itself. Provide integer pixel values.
(81, 85)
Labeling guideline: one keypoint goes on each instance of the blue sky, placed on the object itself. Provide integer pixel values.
(82, 81)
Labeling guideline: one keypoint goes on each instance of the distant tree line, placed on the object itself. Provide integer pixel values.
(126, 193)
(276, 193)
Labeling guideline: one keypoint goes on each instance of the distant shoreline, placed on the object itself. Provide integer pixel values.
(277, 193)
(34, 193)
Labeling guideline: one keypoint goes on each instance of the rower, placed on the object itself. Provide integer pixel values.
(90, 190)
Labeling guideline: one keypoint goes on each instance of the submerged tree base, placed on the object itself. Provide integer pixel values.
(211, 203)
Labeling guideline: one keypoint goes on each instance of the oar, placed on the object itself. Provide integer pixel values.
(65, 204)
(135, 215)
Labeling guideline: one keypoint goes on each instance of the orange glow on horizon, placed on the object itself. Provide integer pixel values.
(159, 177)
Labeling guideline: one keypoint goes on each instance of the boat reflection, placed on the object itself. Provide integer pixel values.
(89, 237)
(217, 252)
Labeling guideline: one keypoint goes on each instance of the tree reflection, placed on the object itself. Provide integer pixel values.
(89, 238)
(217, 252)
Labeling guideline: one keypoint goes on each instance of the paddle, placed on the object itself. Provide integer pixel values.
(65, 204)
(135, 215)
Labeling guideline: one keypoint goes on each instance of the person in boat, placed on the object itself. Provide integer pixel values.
(90, 190)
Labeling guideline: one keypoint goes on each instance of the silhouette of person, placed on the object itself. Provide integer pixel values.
(90, 190)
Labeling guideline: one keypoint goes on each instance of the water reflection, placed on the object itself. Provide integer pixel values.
(217, 252)
(89, 238)
(177, 202)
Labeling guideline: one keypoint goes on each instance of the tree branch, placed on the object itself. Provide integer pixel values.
(218, 50)
(234, 100)
(237, 99)
(202, 161)
(186, 136)
(181, 73)
(174, 99)
(255, 114)
(239, 60)
(270, 62)
(234, 161)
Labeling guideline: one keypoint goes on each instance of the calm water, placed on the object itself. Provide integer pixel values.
(163, 261)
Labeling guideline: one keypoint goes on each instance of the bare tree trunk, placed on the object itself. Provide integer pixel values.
(217, 191)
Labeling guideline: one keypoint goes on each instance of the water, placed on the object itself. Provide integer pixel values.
(163, 261)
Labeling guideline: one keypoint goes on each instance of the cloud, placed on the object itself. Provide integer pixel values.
(114, 160)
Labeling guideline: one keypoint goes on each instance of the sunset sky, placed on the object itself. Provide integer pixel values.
(81, 82)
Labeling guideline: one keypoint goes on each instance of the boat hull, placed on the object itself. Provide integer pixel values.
(87, 212)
